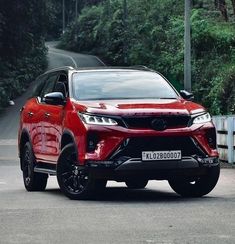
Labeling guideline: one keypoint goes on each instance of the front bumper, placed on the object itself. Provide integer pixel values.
(124, 168)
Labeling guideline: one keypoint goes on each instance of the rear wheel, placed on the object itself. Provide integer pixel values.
(75, 181)
(33, 181)
(136, 184)
(197, 187)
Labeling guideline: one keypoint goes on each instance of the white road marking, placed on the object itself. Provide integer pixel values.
(65, 55)
(3, 183)
(8, 142)
(8, 158)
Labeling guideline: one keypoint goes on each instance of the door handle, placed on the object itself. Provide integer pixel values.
(30, 114)
(47, 115)
(21, 110)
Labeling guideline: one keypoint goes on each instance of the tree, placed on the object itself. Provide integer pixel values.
(221, 5)
(233, 6)
(155, 39)
(22, 48)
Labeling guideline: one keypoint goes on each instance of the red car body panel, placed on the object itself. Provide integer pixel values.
(88, 126)
(46, 132)
(46, 124)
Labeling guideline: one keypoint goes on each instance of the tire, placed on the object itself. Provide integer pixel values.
(74, 181)
(32, 181)
(199, 187)
(100, 185)
(136, 184)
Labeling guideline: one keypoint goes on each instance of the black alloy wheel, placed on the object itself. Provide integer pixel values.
(75, 181)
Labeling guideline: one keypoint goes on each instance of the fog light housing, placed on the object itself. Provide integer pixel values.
(211, 138)
(92, 141)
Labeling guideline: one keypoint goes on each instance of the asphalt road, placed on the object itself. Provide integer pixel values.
(153, 215)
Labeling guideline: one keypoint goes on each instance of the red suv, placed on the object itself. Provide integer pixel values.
(87, 126)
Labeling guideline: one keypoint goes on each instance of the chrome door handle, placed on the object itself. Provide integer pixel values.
(47, 115)
(30, 114)
(21, 110)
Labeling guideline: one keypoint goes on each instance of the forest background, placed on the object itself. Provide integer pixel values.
(123, 33)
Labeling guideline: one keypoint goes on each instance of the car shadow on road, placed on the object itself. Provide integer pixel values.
(125, 195)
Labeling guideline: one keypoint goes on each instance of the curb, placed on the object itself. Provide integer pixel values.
(227, 165)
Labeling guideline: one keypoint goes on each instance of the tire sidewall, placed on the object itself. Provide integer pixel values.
(85, 193)
(203, 187)
(28, 148)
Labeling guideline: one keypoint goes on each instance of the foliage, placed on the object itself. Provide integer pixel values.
(213, 61)
(22, 49)
(152, 35)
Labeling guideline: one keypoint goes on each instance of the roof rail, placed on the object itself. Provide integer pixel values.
(141, 67)
(59, 68)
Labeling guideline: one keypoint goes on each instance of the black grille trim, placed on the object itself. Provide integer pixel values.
(136, 145)
(146, 121)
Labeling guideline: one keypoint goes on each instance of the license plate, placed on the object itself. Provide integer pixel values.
(161, 155)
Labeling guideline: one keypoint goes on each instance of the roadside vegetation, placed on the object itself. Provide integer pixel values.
(144, 32)
(22, 45)
(151, 33)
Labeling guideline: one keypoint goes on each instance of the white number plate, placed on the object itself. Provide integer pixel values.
(161, 155)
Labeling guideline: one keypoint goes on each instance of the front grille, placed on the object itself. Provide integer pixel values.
(136, 145)
(146, 122)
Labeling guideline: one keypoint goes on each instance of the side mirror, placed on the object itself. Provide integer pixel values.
(186, 95)
(54, 98)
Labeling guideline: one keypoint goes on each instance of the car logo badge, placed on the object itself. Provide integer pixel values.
(158, 124)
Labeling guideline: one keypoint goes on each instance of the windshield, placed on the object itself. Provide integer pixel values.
(101, 85)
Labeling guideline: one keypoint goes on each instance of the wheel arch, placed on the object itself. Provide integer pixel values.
(24, 138)
(68, 138)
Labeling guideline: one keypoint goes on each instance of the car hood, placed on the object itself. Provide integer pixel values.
(139, 107)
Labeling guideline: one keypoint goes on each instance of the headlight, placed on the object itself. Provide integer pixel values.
(201, 119)
(96, 120)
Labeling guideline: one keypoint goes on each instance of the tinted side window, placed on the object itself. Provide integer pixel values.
(49, 85)
(63, 78)
(40, 82)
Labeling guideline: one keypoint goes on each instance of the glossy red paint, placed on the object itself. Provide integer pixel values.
(46, 131)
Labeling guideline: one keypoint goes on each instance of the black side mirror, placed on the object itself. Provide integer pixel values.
(54, 98)
(186, 95)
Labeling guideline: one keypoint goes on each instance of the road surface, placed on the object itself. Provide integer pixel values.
(153, 215)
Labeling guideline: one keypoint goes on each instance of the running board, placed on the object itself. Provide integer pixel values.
(45, 169)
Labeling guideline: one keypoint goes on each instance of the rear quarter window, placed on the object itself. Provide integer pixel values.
(39, 84)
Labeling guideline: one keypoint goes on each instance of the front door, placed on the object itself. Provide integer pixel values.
(52, 122)
(46, 115)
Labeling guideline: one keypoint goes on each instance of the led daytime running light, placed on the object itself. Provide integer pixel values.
(201, 119)
(96, 120)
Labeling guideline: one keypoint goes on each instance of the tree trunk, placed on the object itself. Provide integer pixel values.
(216, 3)
(221, 5)
(233, 4)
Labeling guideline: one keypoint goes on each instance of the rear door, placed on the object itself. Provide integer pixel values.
(32, 115)
(36, 114)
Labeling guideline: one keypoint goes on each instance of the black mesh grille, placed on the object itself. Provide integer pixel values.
(138, 144)
(145, 122)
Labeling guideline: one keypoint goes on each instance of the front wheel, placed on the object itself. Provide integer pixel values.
(197, 187)
(136, 184)
(75, 181)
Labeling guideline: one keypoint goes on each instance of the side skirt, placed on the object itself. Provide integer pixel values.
(45, 168)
